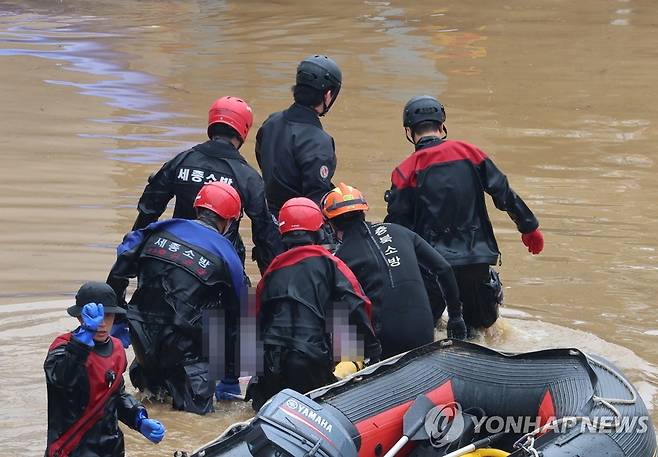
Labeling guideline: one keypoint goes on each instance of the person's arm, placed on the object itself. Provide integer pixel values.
(134, 415)
(264, 230)
(495, 184)
(316, 159)
(442, 271)
(400, 200)
(125, 266)
(257, 148)
(348, 291)
(65, 364)
(127, 407)
(157, 194)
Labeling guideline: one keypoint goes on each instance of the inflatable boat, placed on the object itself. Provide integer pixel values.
(550, 403)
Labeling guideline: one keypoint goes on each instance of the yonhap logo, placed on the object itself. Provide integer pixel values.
(444, 424)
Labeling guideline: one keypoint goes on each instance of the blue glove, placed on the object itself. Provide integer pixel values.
(92, 317)
(228, 389)
(153, 430)
(122, 331)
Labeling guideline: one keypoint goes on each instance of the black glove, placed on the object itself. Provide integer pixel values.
(456, 328)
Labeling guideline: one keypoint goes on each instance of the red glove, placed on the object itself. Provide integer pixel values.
(534, 241)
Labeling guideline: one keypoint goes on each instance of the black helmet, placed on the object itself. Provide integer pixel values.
(423, 108)
(319, 72)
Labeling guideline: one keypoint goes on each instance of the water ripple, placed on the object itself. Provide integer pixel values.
(64, 39)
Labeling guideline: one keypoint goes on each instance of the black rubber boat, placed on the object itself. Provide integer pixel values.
(558, 402)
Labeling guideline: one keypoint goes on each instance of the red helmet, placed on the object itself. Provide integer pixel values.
(232, 111)
(300, 213)
(220, 198)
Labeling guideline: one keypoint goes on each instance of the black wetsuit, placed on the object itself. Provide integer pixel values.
(215, 160)
(86, 397)
(385, 259)
(438, 192)
(183, 267)
(306, 301)
(297, 157)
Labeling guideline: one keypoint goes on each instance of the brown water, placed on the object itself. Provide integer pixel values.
(96, 95)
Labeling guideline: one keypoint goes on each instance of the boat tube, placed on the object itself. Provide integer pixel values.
(549, 403)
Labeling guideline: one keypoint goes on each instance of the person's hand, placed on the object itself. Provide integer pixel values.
(228, 389)
(92, 317)
(456, 328)
(122, 331)
(152, 429)
(534, 241)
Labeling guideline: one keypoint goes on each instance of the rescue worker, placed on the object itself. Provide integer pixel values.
(305, 303)
(218, 159)
(84, 378)
(385, 259)
(183, 267)
(296, 156)
(438, 192)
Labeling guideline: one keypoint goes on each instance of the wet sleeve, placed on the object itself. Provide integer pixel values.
(126, 265)
(316, 159)
(400, 200)
(65, 365)
(157, 194)
(496, 184)
(264, 230)
(348, 292)
(127, 406)
(440, 270)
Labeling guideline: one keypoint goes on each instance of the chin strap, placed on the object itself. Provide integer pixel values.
(325, 108)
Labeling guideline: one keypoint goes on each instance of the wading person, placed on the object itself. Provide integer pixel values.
(438, 192)
(296, 156)
(385, 259)
(84, 378)
(306, 303)
(183, 267)
(218, 159)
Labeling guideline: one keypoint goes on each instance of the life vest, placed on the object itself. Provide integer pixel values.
(104, 377)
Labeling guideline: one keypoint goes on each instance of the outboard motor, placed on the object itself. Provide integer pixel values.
(290, 425)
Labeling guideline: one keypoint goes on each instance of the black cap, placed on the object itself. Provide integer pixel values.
(95, 292)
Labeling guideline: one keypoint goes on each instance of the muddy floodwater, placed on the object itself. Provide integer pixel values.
(95, 95)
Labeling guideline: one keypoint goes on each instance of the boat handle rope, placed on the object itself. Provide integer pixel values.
(527, 441)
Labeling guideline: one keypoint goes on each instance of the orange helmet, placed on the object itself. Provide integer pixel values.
(343, 199)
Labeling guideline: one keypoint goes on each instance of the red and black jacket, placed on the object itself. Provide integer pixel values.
(297, 295)
(297, 157)
(215, 160)
(385, 258)
(86, 397)
(438, 192)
